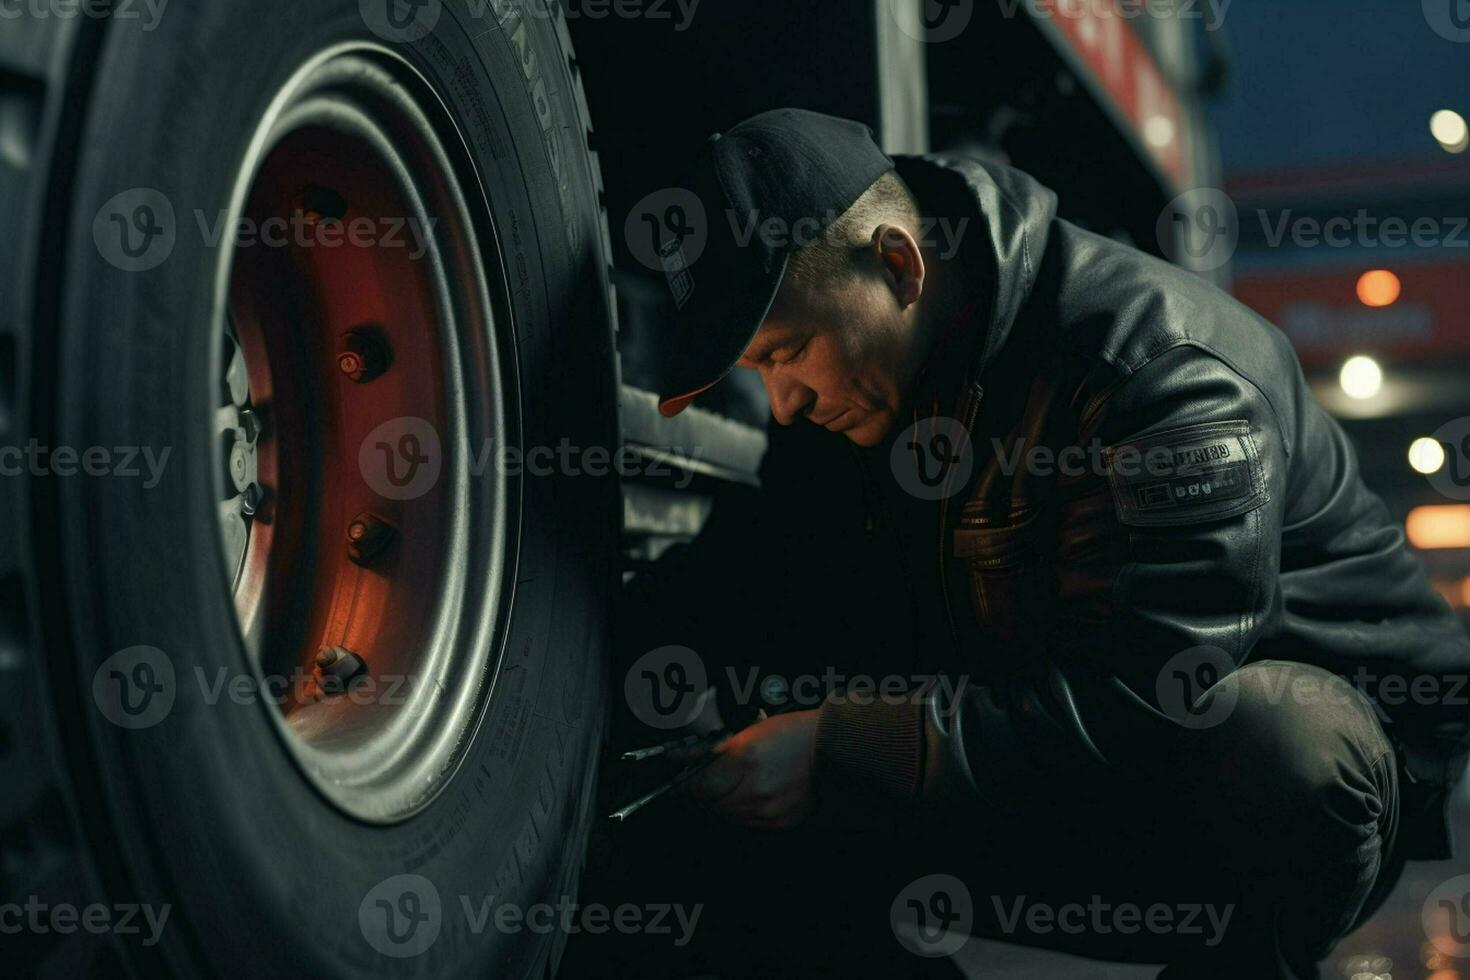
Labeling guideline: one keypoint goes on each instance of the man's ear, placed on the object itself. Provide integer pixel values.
(902, 262)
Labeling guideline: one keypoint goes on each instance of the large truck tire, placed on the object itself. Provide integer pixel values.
(341, 441)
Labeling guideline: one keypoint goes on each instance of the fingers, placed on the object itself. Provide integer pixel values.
(720, 779)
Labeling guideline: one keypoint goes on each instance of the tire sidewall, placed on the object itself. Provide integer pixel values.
(205, 811)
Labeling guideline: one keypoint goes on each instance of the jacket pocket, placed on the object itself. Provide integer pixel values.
(1010, 575)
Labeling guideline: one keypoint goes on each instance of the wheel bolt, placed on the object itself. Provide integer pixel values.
(252, 500)
(364, 356)
(367, 538)
(338, 667)
(250, 422)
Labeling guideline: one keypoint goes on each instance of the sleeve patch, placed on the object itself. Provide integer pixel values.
(1186, 475)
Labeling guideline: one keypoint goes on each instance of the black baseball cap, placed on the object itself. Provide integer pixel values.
(770, 185)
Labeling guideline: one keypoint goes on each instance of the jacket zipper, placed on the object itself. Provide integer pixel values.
(977, 395)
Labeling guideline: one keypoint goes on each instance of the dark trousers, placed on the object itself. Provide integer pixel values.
(1252, 845)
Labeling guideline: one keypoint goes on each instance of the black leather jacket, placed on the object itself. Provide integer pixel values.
(1064, 595)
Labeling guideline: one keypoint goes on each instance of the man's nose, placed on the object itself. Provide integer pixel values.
(789, 398)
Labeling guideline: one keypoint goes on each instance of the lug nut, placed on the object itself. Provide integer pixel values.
(368, 537)
(250, 423)
(364, 356)
(252, 500)
(338, 667)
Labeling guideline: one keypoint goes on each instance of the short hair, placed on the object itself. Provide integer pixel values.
(833, 255)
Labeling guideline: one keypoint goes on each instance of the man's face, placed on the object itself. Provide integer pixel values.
(841, 356)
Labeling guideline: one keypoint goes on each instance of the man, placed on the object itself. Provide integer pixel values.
(1185, 630)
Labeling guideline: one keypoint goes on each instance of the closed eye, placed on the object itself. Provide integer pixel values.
(793, 356)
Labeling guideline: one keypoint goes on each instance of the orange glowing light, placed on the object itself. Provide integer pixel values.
(1445, 526)
(1379, 288)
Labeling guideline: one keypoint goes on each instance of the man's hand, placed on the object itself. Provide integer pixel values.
(763, 776)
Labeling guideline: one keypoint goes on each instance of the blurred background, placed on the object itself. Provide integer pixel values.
(1312, 157)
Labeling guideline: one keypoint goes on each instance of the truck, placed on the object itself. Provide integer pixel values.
(328, 429)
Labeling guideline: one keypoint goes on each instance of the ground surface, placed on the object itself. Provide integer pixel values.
(1390, 947)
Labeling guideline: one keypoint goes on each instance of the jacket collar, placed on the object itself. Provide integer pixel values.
(1013, 214)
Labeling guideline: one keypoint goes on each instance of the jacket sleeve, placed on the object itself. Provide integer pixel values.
(1164, 577)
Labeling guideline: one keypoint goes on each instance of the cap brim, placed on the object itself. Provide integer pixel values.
(715, 333)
